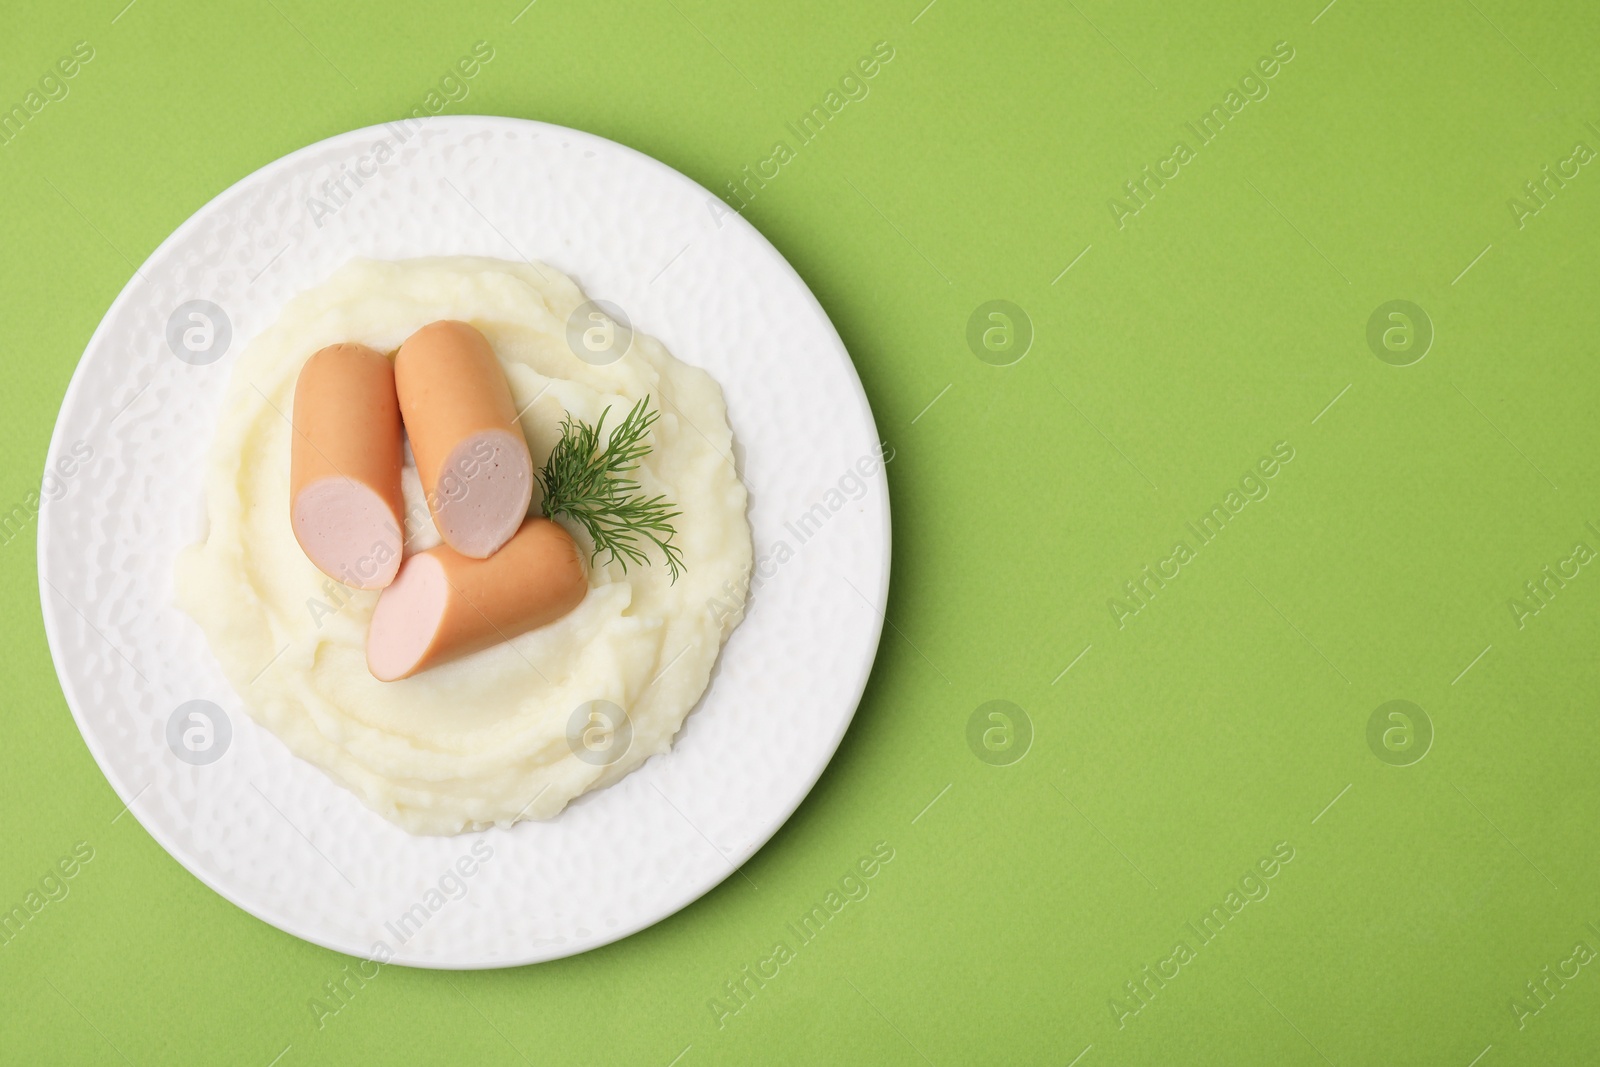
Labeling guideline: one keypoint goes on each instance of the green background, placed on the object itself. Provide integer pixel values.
(1228, 715)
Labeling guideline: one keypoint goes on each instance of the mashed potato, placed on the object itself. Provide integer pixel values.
(518, 730)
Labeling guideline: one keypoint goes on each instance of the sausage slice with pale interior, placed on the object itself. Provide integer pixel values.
(345, 505)
(444, 605)
(472, 457)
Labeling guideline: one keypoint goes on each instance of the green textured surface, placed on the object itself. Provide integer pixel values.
(1229, 714)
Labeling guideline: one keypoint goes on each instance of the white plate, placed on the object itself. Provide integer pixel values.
(273, 834)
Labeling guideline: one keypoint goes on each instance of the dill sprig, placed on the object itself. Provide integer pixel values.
(589, 485)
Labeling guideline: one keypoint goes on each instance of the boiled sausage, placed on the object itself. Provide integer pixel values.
(444, 605)
(474, 462)
(344, 466)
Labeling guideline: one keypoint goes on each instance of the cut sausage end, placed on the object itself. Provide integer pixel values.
(348, 531)
(483, 492)
(406, 620)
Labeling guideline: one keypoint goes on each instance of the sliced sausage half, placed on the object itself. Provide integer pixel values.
(444, 605)
(471, 455)
(345, 503)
